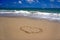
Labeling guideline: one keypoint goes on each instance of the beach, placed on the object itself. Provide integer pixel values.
(10, 29)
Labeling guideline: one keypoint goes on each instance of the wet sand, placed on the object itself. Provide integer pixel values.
(10, 29)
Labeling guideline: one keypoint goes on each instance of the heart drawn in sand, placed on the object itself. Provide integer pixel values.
(30, 29)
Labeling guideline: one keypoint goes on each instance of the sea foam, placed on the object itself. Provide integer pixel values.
(32, 14)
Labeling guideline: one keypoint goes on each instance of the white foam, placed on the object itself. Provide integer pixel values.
(34, 14)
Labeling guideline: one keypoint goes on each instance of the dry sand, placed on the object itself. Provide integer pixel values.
(10, 29)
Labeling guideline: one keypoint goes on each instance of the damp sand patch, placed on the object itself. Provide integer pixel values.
(31, 29)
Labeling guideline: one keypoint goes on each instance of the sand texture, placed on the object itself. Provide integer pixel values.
(21, 28)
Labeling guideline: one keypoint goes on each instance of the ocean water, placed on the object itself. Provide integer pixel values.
(40, 14)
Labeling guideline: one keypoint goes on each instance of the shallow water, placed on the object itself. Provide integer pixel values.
(31, 14)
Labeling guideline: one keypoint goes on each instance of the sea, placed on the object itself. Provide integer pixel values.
(39, 13)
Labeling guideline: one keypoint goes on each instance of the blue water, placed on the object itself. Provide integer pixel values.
(29, 3)
(45, 9)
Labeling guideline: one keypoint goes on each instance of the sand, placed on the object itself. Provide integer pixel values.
(10, 29)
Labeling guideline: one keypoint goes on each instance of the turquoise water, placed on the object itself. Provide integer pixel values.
(49, 14)
(50, 10)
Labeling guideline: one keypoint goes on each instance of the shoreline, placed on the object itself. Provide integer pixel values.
(40, 19)
(31, 14)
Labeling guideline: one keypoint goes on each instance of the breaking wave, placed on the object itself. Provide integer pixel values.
(32, 14)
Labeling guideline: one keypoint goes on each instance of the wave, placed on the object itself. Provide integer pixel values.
(32, 14)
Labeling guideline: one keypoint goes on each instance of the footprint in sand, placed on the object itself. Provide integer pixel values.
(30, 29)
